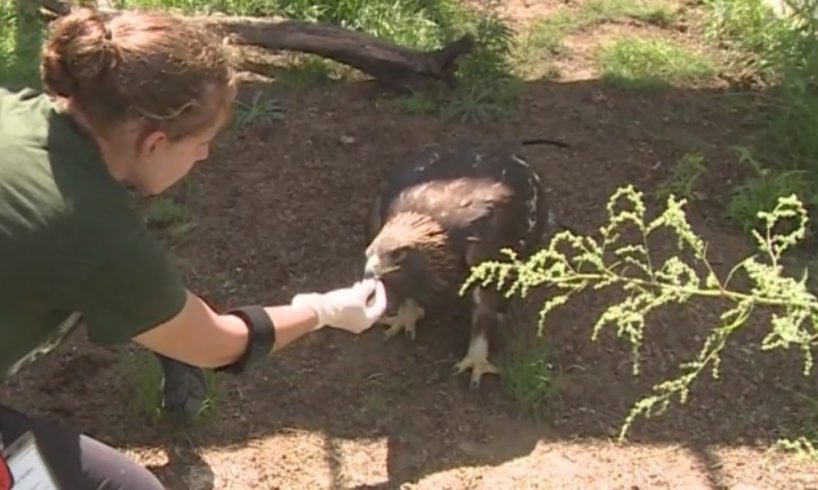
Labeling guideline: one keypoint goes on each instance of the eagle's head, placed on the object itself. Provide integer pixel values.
(413, 257)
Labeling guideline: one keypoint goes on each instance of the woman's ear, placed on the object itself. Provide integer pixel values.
(153, 143)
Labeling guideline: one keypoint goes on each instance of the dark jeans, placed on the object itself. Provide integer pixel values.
(79, 462)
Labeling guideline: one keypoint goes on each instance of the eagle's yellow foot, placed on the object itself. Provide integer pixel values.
(408, 315)
(478, 367)
(476, 359)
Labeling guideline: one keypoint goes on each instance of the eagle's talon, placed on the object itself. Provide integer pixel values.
(407, 316)
(395, 327)
(479, 367)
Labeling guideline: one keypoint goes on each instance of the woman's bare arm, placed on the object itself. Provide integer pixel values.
(202, 337)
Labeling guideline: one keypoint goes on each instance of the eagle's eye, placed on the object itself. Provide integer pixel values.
(398, 255)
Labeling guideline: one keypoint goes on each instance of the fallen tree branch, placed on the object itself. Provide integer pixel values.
(397, 66)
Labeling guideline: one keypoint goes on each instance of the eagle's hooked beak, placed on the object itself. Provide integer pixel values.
(372, 269)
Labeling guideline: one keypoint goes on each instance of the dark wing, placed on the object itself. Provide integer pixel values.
(477, 193)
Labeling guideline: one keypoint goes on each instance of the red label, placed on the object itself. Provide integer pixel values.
(6, 480)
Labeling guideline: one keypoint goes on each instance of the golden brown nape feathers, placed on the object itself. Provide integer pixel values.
(451, 208)
(414, 256)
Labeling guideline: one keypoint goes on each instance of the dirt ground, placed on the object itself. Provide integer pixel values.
(280, 209)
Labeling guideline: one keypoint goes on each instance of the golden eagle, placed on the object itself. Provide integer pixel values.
(450, 208)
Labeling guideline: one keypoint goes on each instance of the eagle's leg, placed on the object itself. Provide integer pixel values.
(485, 318)
(407, 316)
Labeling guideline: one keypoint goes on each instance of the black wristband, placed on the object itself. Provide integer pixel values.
(260, 340)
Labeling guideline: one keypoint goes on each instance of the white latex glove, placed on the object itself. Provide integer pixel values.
(354, 308)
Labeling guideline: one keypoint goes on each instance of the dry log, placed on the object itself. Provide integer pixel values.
(397, 66)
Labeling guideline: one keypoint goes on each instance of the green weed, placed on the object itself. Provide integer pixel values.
(614, 258)
(259, 111)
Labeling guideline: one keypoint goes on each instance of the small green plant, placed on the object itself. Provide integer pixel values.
(144, 374)
(649, 63)
(761, 190)
(571, 264)
(167, 214)
(259, 111)
(806, 445)
(486, 87)
(685, 175)
(527, 374)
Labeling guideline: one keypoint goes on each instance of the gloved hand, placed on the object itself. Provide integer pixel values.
(354, 309)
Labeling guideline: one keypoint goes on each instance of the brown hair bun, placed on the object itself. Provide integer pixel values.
(80, 50)
(167, 72)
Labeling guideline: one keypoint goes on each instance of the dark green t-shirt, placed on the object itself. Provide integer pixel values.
(71, 239)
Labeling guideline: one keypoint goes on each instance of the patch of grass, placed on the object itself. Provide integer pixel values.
(527, 374)
(544, 40)
(20, 43)
(779, 54)
(416, 104)
(654, 12)
(536, 48)
(651, 63)
(761, 43)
